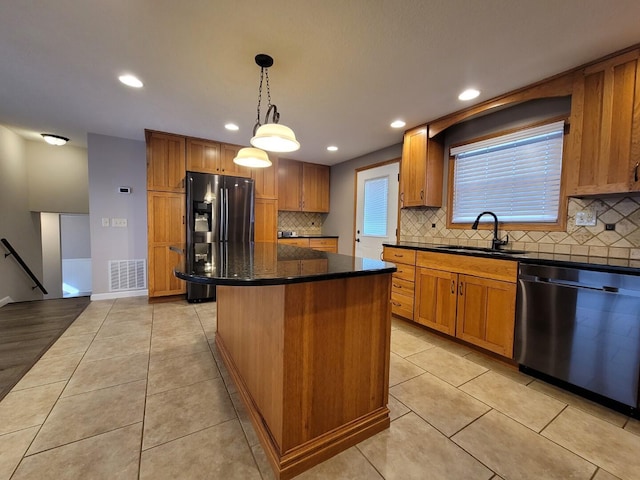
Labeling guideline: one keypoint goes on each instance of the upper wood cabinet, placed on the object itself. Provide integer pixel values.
(207, 156)
(165, 162)
(421, 170)
(303, 187)
(266, 179)
(605, 128)
(227, 167)
(266, 220)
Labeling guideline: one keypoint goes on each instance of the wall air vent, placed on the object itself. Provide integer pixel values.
(127, 275)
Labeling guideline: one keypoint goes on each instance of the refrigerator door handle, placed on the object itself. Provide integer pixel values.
(226, 214)
(221, 218)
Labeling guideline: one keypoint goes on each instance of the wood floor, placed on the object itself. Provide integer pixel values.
(28, 329)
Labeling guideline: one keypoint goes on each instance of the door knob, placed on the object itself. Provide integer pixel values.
(357, 239)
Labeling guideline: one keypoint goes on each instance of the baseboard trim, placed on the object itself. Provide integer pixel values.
(5, 300)
(113, 296)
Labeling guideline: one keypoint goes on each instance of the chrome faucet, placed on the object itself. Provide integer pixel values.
(496, 243)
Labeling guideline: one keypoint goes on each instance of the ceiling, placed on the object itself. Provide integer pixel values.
(344, 69)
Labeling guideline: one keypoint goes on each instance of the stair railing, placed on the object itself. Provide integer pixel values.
(24, 266)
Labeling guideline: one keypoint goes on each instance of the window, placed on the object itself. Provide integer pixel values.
(376, 206)
(516, 176)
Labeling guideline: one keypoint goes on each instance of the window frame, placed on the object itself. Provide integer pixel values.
(559, 225)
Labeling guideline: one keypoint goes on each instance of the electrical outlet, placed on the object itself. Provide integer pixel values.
(119, 222)
(105, 222)
(585, 218)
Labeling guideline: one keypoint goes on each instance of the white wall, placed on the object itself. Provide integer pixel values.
(115, 162)
(17, 224)
(342, 195)
(51, 256)
(58, 178)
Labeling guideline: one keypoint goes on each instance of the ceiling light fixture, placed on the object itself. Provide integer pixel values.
(131, 81)
(332, 148)
(397, 124)
(252, 157)
(469, 94)
(232, 126)
(52, 139)
(270, 136)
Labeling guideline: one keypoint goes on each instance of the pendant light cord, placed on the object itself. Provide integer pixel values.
(271, 109)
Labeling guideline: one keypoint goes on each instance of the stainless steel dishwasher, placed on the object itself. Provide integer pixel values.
(581, 327)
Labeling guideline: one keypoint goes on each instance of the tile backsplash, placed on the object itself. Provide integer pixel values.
(303, 223)
(623, 242)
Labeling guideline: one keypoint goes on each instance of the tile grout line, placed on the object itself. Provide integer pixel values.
(146, 389)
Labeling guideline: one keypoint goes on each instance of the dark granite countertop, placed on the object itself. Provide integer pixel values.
(603, 264)
(265, 263)
(309, 236)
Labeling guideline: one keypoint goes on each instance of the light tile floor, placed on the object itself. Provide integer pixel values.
(133, 390)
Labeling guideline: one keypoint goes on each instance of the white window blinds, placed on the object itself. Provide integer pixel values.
(376, 193)
(516, 176)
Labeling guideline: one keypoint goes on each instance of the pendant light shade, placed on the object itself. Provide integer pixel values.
(252, 157)
(274, 137)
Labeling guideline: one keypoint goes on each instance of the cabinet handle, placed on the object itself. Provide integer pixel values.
(397, 255)
(635, 172)
(183, 219)
(461, 288)
(396, 285)
(396, 304)
(453, 287)
(421, 194)
(401, 198)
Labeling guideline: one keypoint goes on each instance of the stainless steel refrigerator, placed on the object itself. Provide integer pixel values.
(220, 211)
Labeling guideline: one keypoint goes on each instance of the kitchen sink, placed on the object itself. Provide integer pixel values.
(462, 248)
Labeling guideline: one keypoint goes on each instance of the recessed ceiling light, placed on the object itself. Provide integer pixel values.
(232, 126)
(397, 124)
(469, 94)
(130, 81)
(332, 148)
(52, 139)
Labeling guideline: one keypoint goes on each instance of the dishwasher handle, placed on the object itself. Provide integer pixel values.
(567, 283)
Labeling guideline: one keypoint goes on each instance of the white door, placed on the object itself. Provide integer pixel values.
(376, 209)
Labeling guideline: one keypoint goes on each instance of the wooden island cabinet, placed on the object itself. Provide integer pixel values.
(308, 349)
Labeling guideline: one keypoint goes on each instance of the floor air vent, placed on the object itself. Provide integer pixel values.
(127, 275)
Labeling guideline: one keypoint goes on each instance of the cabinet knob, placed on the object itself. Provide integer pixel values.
(461, 288)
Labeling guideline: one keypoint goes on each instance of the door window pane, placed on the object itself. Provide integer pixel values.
(376, 203)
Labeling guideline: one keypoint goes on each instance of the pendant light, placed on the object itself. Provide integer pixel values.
(270, 136)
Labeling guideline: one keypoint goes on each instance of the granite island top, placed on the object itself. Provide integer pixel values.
(603, 264)
(311, 235)
(267, 263)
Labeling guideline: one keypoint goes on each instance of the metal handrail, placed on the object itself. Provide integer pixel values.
(24, 266)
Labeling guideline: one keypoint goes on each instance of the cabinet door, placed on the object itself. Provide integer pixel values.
(606, 128)
(266, 220)
(166, 228)
(435, 299)
(266, 179)
(227, 167)
(486, 313)
(315, 187)
(289, 185)
(165, 162)
(203, 156)
(421, 170)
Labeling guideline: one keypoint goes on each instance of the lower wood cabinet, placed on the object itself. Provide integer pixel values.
(473, 298)
(402, 281)
(486, 313)
(166, 228)
(324, 244)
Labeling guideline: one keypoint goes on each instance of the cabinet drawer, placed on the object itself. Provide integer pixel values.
(402, 305)
(405, 272)
(399, 255)
(404, 287)
(296, 242)
(497, 269)
(324, 244)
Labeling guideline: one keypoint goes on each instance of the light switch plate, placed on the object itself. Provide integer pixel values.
(118, 222)
(105, 222)
(585, 218)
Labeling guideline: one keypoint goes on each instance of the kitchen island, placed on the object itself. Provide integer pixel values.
(305, 336)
